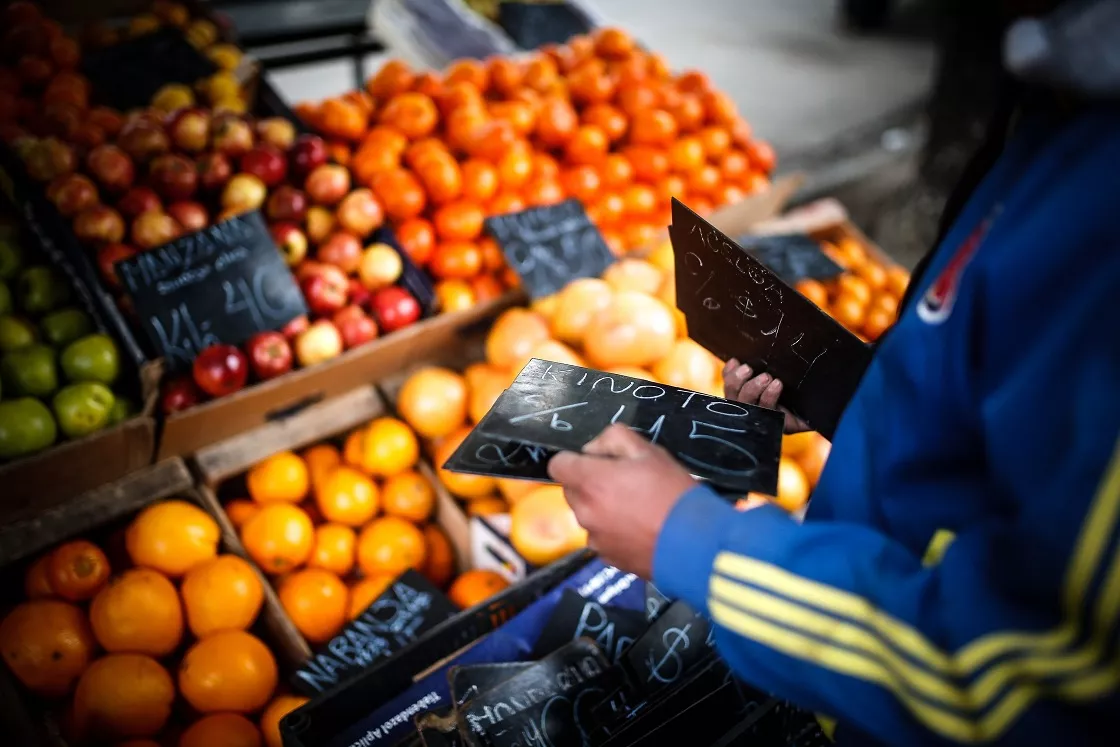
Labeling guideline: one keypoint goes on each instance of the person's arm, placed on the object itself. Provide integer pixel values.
(1018, 623)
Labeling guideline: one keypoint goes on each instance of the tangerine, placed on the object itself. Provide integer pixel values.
(581, 182)
(486, 288)
(793, 486)
(221, 730)
(608, 119)
(394, 77)
(414, 115)
(365, 592)
(347, 497)
(121, 696)
(814, 291)
(814, 458)
(480, 181)
(408, 495)
(543, 528)
(433, 401)
(734, 165)
(400, 193)
(77, 570)
(321, 460)
(390, 545)
(468, 71)
(616, 171)
(640, 199)
(280, 707)
(716, 141)
(228, 671)
(172, 537)
(280, 477)
(878, 321)
(486, 386)
(688, 111)
(46, 644)
(240, 510)
(334, 549)
(635, 330)
(897, 280)
(37, 580)
(418, 238)
(439, 566)
(556, 122)
(650, 164)
(389, 447)
(688, 366)
(849, 311)
(653, 127)
(317, 601)
(453, 295)
(488, 506)
(515, 168)
(514, 334)
(441, 177)
(540, 191)
(761, 155)
(459, 483)
(279, 538)
(139, 613)
(460, 220)
(634, 275)
(686, 154)
(588, 145)
(577, 304)
(456, 260)
(505, 75)
(221, 594)
(476, 586)
(514, 490)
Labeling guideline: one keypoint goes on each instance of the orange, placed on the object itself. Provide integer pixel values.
(172, 537)
(878, 321)
(487, 506)
(793, 486)
(468, 71)
(543, 527)
(418, 238)
(280, 477)
(122, 696)
(46, 644)
(453, 295)
(813, 459)
(513, 335)
(854, 286)
(229, 671)
(581, 182)
(414, 115)
(365, 592)
(540, 73)
(873, 274)
(37, 580)
(352, 448)
(616, 171)
(408, 495)
(550, 350)
(634, 275)
(688, 366)
(608, 119)
(814, 291)
(439, 566)
(240, 510)
(588, 144)
(705, 180)
(852, 251)
(390, 545)
(686, 154)
(460, 220)
(734, 165)
(761, 154)
(543, 191)
(388, 447)
(887, 302)
(796, 444)
(514, 490)
(505, 75)
(653, 127)
(897, 280)
(280, 707)
(333, 549)
(476, 586)
(635, 330)
(716, 141)
(849, 311)
(460, 484)
(221, 730)
(556, 122)
(486, 288)
(480, 182)
(456, 259)
(589, 83)
(514, 169)
(520, 114)
(321, 460)
(221, 594)
(139, 613)
(347, 497)
(688, 111)
(392, 78)
(485, 391)
(635, 98)
(650, 164)
(577, 305)
(77, 570)
(279, 538)
(400, 193)
(316, 600)
(613, 43)
(640, 199)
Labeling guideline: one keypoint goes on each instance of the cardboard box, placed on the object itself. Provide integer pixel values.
(336, 417)
(189, 431)
(96, 514)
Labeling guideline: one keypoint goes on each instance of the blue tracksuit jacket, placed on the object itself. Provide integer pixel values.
(992, 411)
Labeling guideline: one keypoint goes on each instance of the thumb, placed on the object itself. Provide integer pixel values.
(617, 441)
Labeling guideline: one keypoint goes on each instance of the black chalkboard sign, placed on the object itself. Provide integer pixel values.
(532, 25)
(127, 75)
(737, 308)
(222, 284)
(550, 246)
(410, 607)
(792, 257)
(438, 728)
(468, 681)
(563, 407)
(479, 454)
(575, 617)
(413, 279)
(675, 643)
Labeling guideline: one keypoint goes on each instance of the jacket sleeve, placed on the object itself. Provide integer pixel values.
(1015, 627)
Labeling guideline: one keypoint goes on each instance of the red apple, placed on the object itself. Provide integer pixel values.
(265, 162)
(220, 370)
(394, 308)
(231, 136)
(214, 170)
(190, 130)
(107, 256)
(359, 294)
(287, 203)
(72, 193)
(355, 326)
(99, 225)
(327, 184)
(49, 158)
(308, 153)
(179, 394)
(174, 177)
(319, 342)
(143, 140)
(154, 228)
(380, 266)
(277, 132)
(295, 327)
(290, 241)
(341, 249)
(308, 268)
(138, 200)
(190, 215)
(111, 167)
(244, 192)
(360, 212)
(270, 354)
(320, 224)
(326, 291)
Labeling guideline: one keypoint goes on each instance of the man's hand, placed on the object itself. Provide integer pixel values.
(621, 489)
(764, 390)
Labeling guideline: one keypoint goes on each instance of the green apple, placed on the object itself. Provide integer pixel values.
(26, 426)
(64, 326)
(92, 358)
(11, 256)
(16, 333)
(30, 371)
(83, 408)
(123, 409)
(41, 289)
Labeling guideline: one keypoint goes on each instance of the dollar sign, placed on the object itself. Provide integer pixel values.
(672, 638)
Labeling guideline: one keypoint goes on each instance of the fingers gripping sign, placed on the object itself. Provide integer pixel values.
(621, 489)
(741, 385)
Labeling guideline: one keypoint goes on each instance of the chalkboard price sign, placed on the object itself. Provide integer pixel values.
(792, 257)
(550, 246)
(223, 284)
(480, 454)
(737, 308)
(563, 407)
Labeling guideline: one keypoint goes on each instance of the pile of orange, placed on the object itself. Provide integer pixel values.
(598, 119)
(121, 640)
